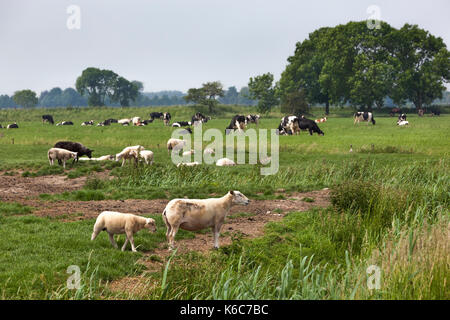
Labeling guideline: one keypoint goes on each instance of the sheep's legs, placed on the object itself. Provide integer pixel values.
(130, 238)
(125, 244)
(172, 235)
(64, 164)
(216, 232)
(111, 239)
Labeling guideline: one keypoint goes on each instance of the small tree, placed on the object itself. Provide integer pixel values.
(262, 89)
(25, 98)
(206, 95)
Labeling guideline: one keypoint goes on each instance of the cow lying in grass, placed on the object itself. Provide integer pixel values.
(194, 214)
(118, 223)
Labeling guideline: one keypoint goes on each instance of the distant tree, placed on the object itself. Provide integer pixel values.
(6, 101)
(230, 96)
(206, 95)
(25, 98)
(97, 84)
(124, 91)
(262, 89)
(244, 97)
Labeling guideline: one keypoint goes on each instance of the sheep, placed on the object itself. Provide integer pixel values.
(225, 162)
(175, 144)
(61, 155)
(119, 223)
(102, 158)
(129, 153)
(188, 153)
(74, 147)
(147, 155)
(188, 164)
(402, 123)
(194, 214)
(208, 151)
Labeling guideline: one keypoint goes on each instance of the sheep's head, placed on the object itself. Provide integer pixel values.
(73, 155)
(89, 153)
(239, 198)
(150, 224)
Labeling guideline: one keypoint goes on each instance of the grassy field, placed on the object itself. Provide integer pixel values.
(389, 207)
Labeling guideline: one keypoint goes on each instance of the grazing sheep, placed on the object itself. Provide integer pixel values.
(129, 153)
(74, 147)
(119, 223)
(60, 155)
(147, 155)
(194, 214)
(225, 162)
(175, 144)
(188, 164)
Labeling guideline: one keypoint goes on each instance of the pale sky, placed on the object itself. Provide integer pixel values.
(177, 44)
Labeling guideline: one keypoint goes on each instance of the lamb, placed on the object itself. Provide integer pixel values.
(119, 223)
(147, 155)
(188, 153)
(194, 214)
(129, 153)
(225, 162)
(175, 144)
(61, 155)
(102, 158)
(208, 151)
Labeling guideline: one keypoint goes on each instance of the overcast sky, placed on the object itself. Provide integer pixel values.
(177, 44)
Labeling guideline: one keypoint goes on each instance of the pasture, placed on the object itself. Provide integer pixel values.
(387, 205)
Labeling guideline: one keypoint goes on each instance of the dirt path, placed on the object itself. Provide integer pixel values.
(248, 225)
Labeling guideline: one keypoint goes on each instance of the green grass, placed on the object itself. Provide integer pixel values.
(389, 197)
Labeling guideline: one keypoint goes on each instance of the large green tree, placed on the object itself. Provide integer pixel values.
(125, 91)
(424, 66)
(25, 98)
(262, 88)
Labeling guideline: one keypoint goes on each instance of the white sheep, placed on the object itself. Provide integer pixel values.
(119, 223)
(175, 144)
(188, 153)
(188, 164)
(194, 214)
(225, 162)
(60, 154)
(102, 158)
(208, 151)
(147, 155)
(129, 153)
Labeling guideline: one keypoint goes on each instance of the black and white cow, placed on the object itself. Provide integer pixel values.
(65, 123)
(237, 123)
(88, 123)
(309, 125)
(156, 115)
(47, 118)
(166, 118)
(146, 122)
(198, 117)
(363, 116)
(12, 126)
(181, 124)
(289, 125)
(253, 118)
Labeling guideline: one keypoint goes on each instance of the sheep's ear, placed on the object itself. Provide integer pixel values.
(231, 192)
